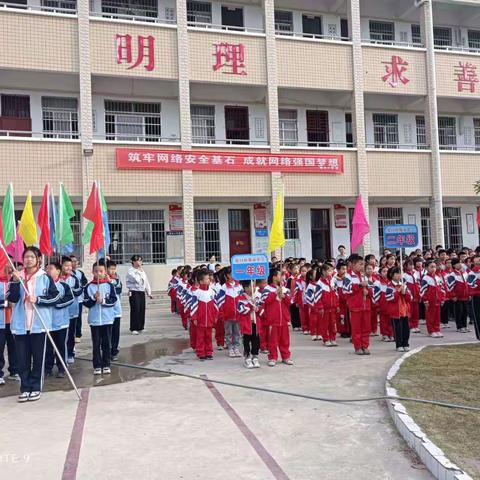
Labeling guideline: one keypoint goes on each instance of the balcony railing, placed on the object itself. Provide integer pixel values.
(392, 43)
(297, 144)
(133, 18)
(229, 28)
(311, 36)
(459, 48)
(40, 135)
(397, 146)
(135, 137)
(223, 141)
(70, 10)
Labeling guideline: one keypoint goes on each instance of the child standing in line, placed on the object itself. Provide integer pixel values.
(301, 289)
(414, 287)
(386, 328)
(249, 326)
(188, 300)
(100, 298)
(117, 309)
(433, 296)
(313, 314)
(82, 279)
(171, 291)
(327, 296)
(371, 279)
(203, 312)
(459, 294)
(263, 329)
(294, 308)
(398, 297)
(343, 322)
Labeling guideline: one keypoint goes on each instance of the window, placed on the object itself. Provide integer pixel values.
(476, 129)
(348, 130)
(312, 26)
(237, 128)
(137, 232)
(474, 39)
(385, 130)
(344, 29)
(426, 228)
(416, 34)
(452, 224)
(288, 127)
(387, 216)
(199, 12)
(383, 32)
(421, 132)
(15, 106)
(317, 128)
(60, 117)
(207, 235)
(442, 36)
(290, 224)
(203, 123)
(130, 8)
(60, 4)
(232, 18)
(447, 133)
(283, 21)
(133, 121)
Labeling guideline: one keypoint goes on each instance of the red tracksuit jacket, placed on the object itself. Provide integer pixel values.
(392, 296)
(203, 309)
(245, 311)
(431, 290)
(277, 313)
(229, 294)
(354, 293)
(326, 295)
(458, 286)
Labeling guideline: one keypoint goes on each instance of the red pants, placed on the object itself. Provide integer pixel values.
(315, 323)
(279, 339)
(432, 314)
(386, 329)
(220, 333)
(374, 320)
(328, 325)
(173, 306)
(304, 318)
(193, 335)
(184, 320)
(204, 342)
(361, 327)
(264, 336)
(413, 319)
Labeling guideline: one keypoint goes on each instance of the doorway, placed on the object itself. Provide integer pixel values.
(320, 221)
(239, 231)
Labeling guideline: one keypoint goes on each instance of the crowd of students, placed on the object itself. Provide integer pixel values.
(355, 298)
(35, 299)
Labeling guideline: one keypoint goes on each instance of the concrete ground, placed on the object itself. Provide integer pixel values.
(134, 425)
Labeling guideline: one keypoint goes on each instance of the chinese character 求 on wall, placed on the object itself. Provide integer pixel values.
(145, 51)
(395, 71)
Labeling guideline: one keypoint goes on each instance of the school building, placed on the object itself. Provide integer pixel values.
(192, 115)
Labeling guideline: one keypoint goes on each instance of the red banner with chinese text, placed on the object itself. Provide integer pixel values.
(150, 159)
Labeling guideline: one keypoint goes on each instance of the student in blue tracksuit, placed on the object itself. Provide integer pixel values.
(68, 277)
(117, 309)
(83, 282)
(27, 327)
(60, 321)
(100, 298)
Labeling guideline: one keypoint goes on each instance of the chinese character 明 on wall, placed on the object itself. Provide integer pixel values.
(467, 78)
(145, 51)
(230, 58)
(395, 71)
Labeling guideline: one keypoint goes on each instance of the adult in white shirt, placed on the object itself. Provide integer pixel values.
(138, 286)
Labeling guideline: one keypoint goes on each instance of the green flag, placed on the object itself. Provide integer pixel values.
(8, 217)
(64, 233)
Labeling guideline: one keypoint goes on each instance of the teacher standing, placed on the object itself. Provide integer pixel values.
(138, 286)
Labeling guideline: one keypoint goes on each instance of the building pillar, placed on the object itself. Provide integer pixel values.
(436, 200)
(272, 76)
(86, 112)
(358, 111)
(185, 129)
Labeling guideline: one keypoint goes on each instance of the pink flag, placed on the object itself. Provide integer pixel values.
(15, 249)
(360, 226)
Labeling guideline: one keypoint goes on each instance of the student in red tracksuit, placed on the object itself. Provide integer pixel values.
(189, 298)
(474, 283)
(409, 278)
(371, 279)
(300, 290)
(263, 328)
(386, 328)
(277, 315)
(171, 291)
(249, 325)
(326, 295)
(433, 296)
(203, 311)
(343, 321)
(181, 291)
(358, 295)
(398, 298)
(459, 294)
(309, 299)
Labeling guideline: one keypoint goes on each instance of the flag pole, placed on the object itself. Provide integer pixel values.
(49, 336)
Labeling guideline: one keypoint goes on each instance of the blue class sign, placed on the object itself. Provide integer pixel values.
(400, 236)
(252, 266)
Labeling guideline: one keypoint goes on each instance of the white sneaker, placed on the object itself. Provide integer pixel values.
(314, 338)
(328, 343)
(34, 396)
(272, 363)
(319, 337)
(439, 335)
(399, 349)
(70, 360)
(23, 397)
(134, 332)
(248, 363)
(237, 352)
(334, 344)
(220, 348)
(406, 349)
(2, 381)
(306, 332)
(106, 371)
(256, 363)
(97, 371)
(231, 353)
(289, 361)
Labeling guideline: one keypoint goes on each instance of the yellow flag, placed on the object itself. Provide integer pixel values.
(27, 228)
(277, 235)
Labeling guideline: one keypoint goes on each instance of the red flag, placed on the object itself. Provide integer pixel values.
(360, 226)
(93, 212)
(3, 257)
(44, 223)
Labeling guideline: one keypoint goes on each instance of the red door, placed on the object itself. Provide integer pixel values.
(239, 229)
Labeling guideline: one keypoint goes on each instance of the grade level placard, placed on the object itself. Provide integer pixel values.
(253, 266)
(400, 236)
